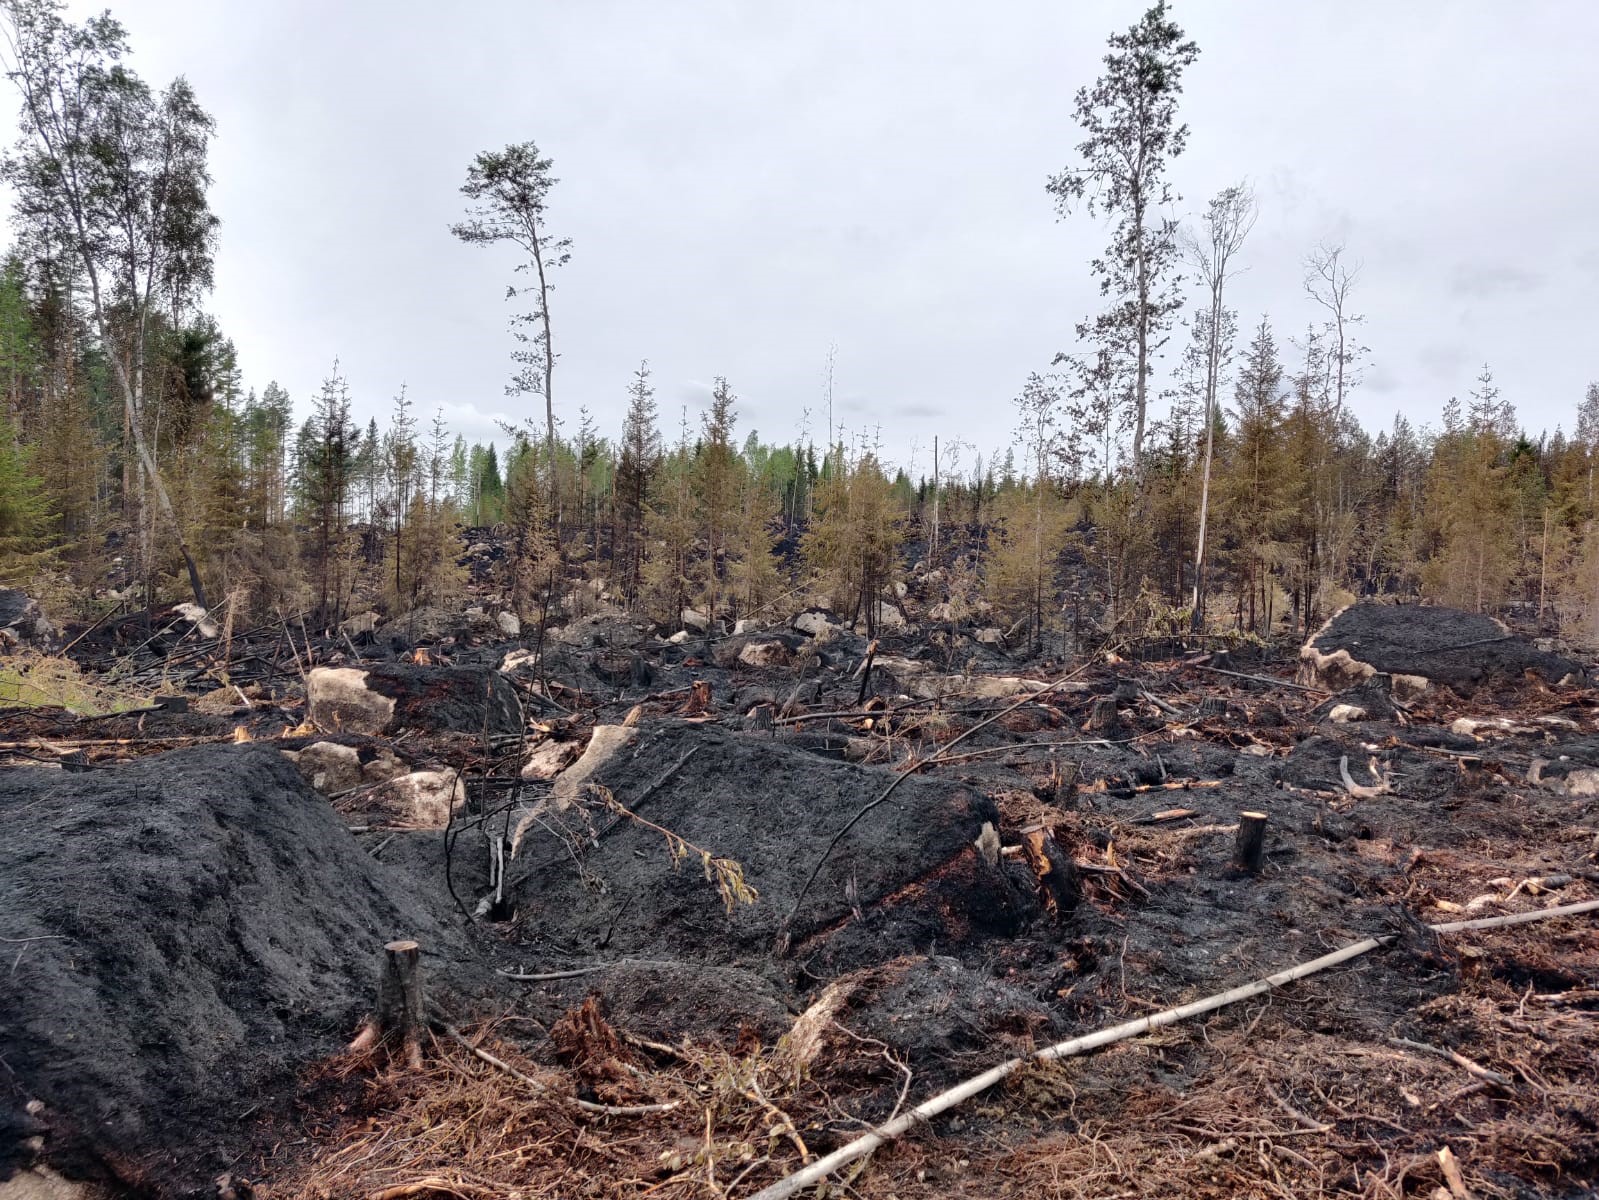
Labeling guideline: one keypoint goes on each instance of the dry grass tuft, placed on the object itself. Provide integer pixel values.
(32, 680)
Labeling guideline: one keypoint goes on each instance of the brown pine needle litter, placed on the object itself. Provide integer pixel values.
(1278, 1097)
(460, 1127)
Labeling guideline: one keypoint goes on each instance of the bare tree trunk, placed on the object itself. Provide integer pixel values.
(549, 386)
(1038, 568)
(1593, 556)
(1543, 565)
(132, 406)
(1198, 620)
(1228, 220)
(1140, 382)
(152, 473)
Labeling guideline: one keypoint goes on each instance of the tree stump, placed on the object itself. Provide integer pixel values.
(865, 671)
(1213, 706)
(1060, 788)
(1249, 851)
(1056, 872)
(401, 1016)
(621, 669)
(699, 699)
(1102, 716)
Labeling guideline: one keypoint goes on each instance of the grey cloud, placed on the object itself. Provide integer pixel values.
(1588, 261)
(1445, 361)
(1492, 280)
(692, 392)
(745, 184)
(1382, 380)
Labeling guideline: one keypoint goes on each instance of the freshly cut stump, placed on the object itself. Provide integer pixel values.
(1249, 850)
(401, 1013)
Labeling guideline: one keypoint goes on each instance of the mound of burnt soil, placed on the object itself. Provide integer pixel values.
(1421, 645)
(183, 933)
(390, 696)
(933, 1007)
(906, 874)
(387, 697)
(1314, 763)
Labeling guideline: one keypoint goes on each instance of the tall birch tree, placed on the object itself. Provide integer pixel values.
(113, 175)
(1227, 222)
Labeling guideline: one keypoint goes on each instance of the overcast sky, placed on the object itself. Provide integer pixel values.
(748, 183)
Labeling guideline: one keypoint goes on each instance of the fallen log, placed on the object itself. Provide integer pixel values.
(1361, 791)
(1170, 710)
(1160, 818)
(951, 1097)
(1542, 914)
(962, 1092)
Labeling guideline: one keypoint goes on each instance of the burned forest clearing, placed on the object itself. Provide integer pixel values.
(418, 912)
(910, 603)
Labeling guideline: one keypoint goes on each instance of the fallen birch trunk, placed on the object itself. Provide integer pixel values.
(945, 1100)
(1542, 914)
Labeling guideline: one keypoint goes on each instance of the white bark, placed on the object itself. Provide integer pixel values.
(945, 1100)
(1228, 221)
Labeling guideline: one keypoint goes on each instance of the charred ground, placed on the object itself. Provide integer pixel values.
(712, 904)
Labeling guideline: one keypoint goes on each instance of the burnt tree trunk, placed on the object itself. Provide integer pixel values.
(1056, 872)
(1102, 716)
(866, 671)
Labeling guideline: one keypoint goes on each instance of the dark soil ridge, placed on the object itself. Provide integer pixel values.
(182, 941)
(952, 966)
(1442, 645)
(772, 809)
